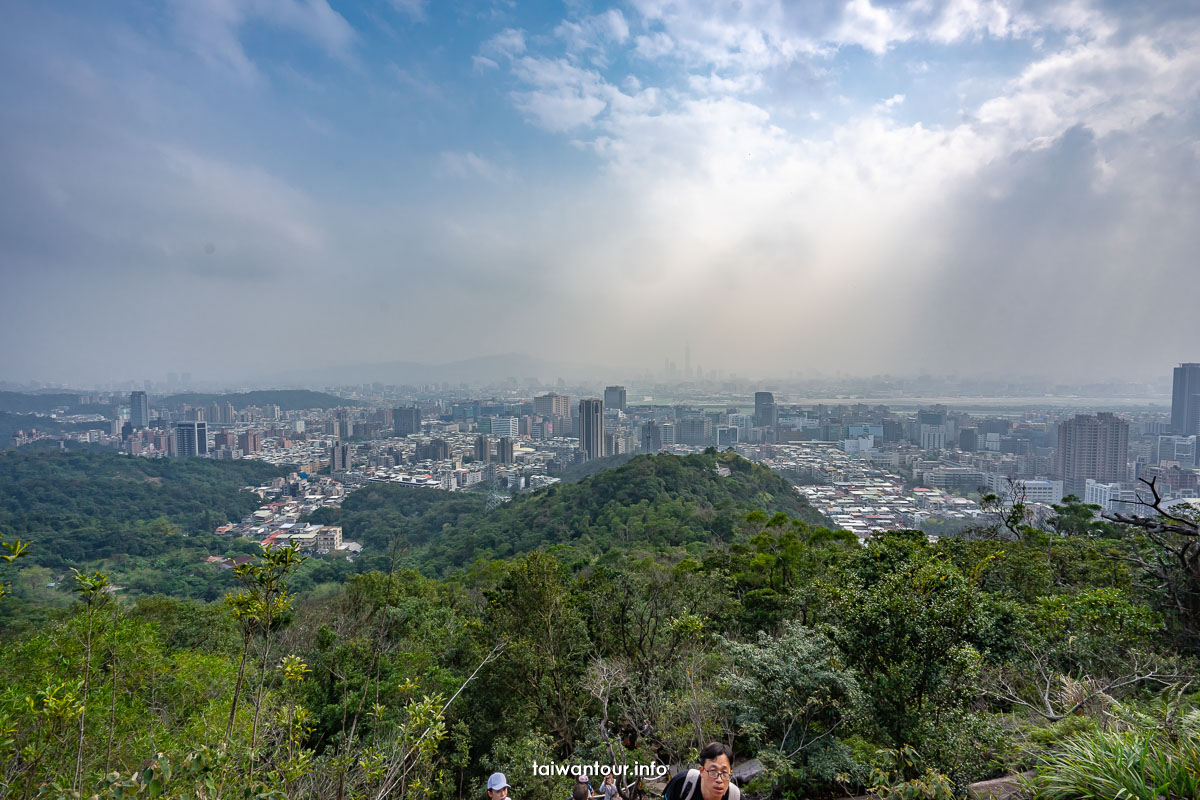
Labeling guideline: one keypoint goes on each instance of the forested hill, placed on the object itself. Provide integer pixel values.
(80, 507)
(25, 403)
(652, 502)
(286, 399)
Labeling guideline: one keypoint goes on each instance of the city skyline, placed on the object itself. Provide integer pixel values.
(239, 189)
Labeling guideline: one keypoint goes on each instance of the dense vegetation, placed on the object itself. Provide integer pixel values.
(286, 399)
(904, 666)
(577, 472)
(651, 503)
(148, 522)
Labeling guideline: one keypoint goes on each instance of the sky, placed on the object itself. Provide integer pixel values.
(241, 187)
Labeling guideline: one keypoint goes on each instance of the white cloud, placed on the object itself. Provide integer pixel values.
(472, 165)
(874, 28)
(211, 29)
(505, 45)
(590, 37)
(413, 8)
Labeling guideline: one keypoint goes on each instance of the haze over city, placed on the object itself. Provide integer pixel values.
(246, 189)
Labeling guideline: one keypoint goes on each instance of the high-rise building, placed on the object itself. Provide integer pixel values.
(224, 440)
(666, 432)
(483, 450)
(765, 413)
(505, 451)
(651, 437)
(1180, 449)
(434, 450)
(505, 426)
(933, 437)
(591, 427)
(406, 421)
(694, 430)
(249, 442)
(139, 410)
(339, 457)
(191, 439)
(614, 397)
(1185, 400)
(1093, 447)
(552, 405)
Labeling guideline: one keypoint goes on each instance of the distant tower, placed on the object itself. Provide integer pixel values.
(765, 415)
(687, 360)
(1091, 447)
(1185, 400)
(191, 439)
(406, 421)
(651, 439)
(339, 457)
(505, 450)
(139, 410)
(591, 427)
(614, 397)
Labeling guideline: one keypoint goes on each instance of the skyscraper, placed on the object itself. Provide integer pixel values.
(765, 415)
(406, 421)
(191, 439)
(505, 451)
(614, 397)
(1185, 400)
(139, 410)
(651, 440)
(1092, 447)
(249, 441)
(591, 427)
(552, 405)
(339, 457)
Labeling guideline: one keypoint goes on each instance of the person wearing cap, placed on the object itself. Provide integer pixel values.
(497, 787)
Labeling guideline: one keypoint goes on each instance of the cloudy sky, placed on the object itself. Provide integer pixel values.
(973, 186)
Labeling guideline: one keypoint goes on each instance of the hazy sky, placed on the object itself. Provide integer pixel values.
(220, 186)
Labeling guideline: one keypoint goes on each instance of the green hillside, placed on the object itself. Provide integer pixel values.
(652, 502)
(24, 403)
(286, 399)
(142, 518)
(11, 423)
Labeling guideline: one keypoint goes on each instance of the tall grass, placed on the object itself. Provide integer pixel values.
(1139, 764)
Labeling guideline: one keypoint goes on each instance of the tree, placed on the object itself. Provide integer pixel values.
(1168, 553)
(258, 609)
(791, 695)
(910, 624)
(91, 589)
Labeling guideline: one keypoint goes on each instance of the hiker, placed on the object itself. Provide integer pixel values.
(497, 787)
(608, 789)
(712, 781)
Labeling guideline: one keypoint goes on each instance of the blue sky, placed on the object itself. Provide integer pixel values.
(981, 186)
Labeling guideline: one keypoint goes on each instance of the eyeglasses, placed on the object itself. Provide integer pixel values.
(718, 775)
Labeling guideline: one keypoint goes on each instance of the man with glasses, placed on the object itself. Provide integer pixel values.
(713, 781)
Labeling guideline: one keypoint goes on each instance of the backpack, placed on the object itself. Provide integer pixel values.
(693, 777)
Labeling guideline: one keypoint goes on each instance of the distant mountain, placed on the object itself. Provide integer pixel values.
(44, 403)
(481, 369)
(650, 503)
(286, 399)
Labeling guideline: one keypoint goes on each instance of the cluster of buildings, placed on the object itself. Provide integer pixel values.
(865, 465)
(277, 522)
